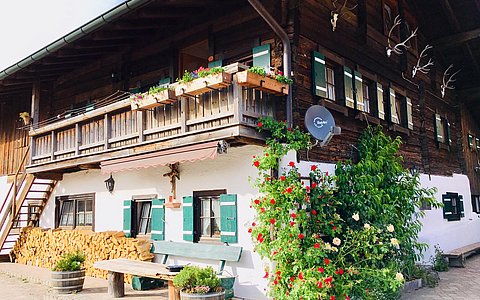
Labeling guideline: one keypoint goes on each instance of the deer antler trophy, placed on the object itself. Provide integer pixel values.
(397, 49)
(449, 80)
(338, 12)
(425, 68)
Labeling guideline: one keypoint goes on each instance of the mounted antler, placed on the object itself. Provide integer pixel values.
(425, 68)
(447, 85)
(338, 12)
(397, 48)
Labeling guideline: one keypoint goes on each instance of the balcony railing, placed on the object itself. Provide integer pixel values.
(116, 126)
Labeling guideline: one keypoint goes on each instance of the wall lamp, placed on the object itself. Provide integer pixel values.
(110, 184)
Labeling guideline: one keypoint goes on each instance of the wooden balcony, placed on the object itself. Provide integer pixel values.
(117, 131)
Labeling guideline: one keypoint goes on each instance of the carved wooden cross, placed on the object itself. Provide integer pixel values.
(174, 174)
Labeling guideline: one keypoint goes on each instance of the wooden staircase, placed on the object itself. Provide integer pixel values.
(22, 206)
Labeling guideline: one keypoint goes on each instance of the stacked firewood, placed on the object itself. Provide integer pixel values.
(43, 248)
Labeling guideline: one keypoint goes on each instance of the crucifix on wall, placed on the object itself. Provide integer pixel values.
(174, 175)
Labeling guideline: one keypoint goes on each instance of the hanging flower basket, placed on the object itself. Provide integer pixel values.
(147, 100)
(262, 83)
(205, 84)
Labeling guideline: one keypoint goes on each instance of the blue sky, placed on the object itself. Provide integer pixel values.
(28, 25)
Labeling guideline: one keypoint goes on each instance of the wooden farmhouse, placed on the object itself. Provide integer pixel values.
(82, 148)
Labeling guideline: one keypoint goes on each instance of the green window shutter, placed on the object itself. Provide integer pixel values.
(348, 87)
(470, 141)
(393, 106)
(380, 106)
(215, 64)
(188, 218)
(164, 82)
(438, 128)
(158, 219)
(448, 137)
(127, 217)
(359, 91)
(477, 144)
(460, 205)
(319, 79)
(261, 57)
(447, 207)
(409, 113)
(228, 218)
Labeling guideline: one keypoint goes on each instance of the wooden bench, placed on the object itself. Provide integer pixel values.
(456, 257)
(118, 267)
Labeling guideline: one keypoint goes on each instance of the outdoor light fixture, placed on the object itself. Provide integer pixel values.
(110, 183)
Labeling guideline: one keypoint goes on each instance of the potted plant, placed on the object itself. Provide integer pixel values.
(156, 96)
(202, 80)
(270, 82)
(198, 283)
(68, 274)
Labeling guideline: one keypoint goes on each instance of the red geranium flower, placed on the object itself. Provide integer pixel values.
(291, 164)
(334, 228)
(266, 275)
(307, 188)
(314, 212)
(249, 230)
(278, 272)
(262, 209)
(292, 279)
(256, 201)
(289, 190)
(275, 282)
(259, 124)
(328, 279)
(256, 163)
(314, 185)
(293, 215)
(292, 223)
(272, 201)
(254, 224)
(319, 284)
(313, 168)
(316, 246)
(289, 129)
(301, 236)
(321, 270)
(332, 297)
(282, 178)
(327, 261)
(339, 271)
(300, 276)
(272, 221)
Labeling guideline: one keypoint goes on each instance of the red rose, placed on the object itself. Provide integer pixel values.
(316, 246)
(339, 271)
(313, 168)
(314, 185)
(300, 276)
(275, 282)
(260, 124)
(321, 270)
(301, 236)
(332, 297)
(266, 154)
(292, 279)
(328, 279)
(334, 228)
(289, 129)
(327, 261)
(266, 275)
(272, 221)
(249, 230)
(346, 297)
(314, 212)
(319, 284)
(262, 209)
(256, 163)
(292, 223)
(282, 178)
(293, 215)
(291, 164)
(272, 201)
(278, 272)
(289, 190)
(307, 188)
(254, 224)
(267, 179)
(256, 201)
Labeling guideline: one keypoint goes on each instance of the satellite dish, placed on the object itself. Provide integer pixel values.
(321, 124)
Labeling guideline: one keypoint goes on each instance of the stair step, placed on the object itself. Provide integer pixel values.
(35, 198)
(4, 258)
(44, 183)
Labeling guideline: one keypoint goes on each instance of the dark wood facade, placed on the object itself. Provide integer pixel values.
(161, 40)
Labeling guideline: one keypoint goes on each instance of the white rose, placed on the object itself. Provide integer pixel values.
(356, 217)
(366, 226)
(337, 241)
(390, 228)
(399, 277)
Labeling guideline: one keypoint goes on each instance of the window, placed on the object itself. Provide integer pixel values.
(470, 141)
(442, 131)
(207, 214)
(476, 203)
(142, 215)
(74, 211)
(452, 206)
(210, 216)
(330, 76)
(366, 86)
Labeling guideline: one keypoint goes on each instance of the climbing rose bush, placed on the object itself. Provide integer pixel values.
(317, 250)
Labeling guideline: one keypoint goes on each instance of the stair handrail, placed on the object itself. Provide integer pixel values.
(14, 186)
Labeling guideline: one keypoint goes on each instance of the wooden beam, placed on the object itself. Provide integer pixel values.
(35, 104)
(457, 38)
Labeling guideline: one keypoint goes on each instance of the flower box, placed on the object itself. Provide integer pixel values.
(265, 84)
(204, 84)
(147, 101)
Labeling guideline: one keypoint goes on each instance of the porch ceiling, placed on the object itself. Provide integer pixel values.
(151, 22)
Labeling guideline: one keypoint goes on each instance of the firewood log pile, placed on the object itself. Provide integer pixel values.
(43, 248)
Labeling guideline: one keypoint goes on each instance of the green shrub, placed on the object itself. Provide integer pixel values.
(439, 262)
(193, 279)
(71, 261)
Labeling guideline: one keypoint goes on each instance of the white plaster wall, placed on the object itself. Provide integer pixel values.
(436, 229)
(229, 171)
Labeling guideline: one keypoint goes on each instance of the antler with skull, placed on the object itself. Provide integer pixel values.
(338, 12)
(425, 68)
(397, 49)
(450, 79)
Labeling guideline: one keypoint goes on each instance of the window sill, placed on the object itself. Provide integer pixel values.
(208, 240)
(334, 106)
(400, 129)
(173, 205)
(363, 116)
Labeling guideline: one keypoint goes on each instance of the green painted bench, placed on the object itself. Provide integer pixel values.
(221, 253)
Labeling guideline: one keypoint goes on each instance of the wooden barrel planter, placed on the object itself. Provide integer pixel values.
(67, 282)
(209, 296)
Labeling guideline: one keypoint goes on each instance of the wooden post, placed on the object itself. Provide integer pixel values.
(183, 114)
(116, 287)
(106, 130)
(140, 126)
(35, 108)
(171, 290)
(237, 102)
(77, 139)
(54, 144)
